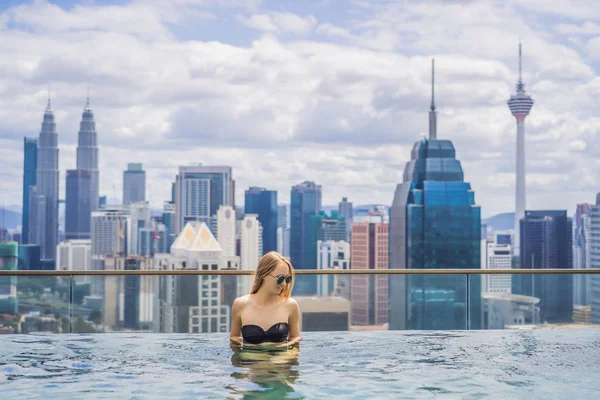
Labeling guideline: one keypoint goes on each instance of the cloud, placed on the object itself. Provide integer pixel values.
(588, 28)
(279, 21)
(339, 100)
(593, 48)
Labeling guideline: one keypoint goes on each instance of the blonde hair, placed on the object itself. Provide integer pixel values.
(266, 265)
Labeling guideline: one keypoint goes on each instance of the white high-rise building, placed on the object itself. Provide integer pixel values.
(520, 105)
(251, 249)
(499, 256)
(75, 255)
(140, 218)
(333, 255)
(111, 235)
(226, 230)
(193, 303)
(200, 191)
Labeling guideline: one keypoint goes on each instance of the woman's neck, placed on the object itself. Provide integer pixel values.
(264, 299)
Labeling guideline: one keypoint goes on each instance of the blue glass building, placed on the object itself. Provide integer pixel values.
(29, 257)
(29, 172)
(264, 203)
(78, 204)
(547, 242)
(305, 203)
(434, 224)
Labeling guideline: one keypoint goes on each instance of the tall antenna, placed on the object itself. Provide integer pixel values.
(520, 63)
(432, 84)
(432, 113)
(49, 97)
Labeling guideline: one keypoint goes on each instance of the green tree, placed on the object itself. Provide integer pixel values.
(95, 316)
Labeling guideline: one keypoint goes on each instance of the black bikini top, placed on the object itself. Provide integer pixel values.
(254, 334)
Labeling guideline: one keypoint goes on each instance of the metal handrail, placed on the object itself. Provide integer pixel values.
(312, 272)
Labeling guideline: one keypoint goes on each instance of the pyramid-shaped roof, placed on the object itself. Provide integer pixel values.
(195, 236)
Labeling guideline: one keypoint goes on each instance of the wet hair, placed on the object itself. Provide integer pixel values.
(267, 265)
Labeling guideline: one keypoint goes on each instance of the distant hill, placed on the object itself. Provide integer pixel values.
(9, 219)
(500, 222)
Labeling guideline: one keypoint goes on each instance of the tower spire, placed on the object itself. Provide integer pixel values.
(520, 84)
(49, 106)
(432, 113)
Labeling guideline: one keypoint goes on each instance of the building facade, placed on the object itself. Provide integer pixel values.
(546, 242)
(78, 204)
(75, 255)
(29, 175)
(251, 249)
(263, 203)
(87, 155)
(134, 184)
(346, 211)
(333, 255)
(369, 293)
(305, 203)
(45, 220)
(434, 224)
(193, 304)
(199, 192)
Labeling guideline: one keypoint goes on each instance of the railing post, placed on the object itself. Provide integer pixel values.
(468, 301)
(71, 305)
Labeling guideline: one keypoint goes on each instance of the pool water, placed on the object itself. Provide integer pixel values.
(541, 363)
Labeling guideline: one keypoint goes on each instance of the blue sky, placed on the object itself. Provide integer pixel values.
(285, 91)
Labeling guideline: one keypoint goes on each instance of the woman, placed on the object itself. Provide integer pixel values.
(268, 314)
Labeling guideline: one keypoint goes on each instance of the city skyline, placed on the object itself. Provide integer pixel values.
(353, 120)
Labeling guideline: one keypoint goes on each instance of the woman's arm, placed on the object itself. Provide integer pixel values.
(294, 322)
(236, 322)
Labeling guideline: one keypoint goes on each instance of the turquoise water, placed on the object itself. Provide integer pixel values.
(543, 363)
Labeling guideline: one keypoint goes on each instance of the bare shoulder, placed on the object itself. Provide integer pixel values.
(291, 303)
(241, 302)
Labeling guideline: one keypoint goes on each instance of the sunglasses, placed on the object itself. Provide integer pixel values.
(281, 278)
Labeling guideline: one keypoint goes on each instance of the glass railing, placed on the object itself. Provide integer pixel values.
(193, 301)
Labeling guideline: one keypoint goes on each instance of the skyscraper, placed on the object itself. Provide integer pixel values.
(581, 237)
(520, 104)
(226, 230)
(75, 255)
(134, 184)
(334, 255)
(546, 242)
(593, 249)
(78, 204)
(111, 235)
(29, 171)
(306, 203)
(251, 249)
(139, 213)
(200, 191)
(168, 218)
(193, 304)
(369, 293)
(434, 224)
(87, 155)
(47, 187)
(345, 210)
(283, 230)
(328, 227)
(263, 202)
